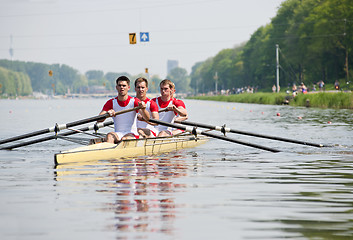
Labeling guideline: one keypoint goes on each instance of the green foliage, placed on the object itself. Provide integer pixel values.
(342, 100)
(19, 78)
(80, 85)
(14, 83)
(40, 81)
(258, 98)
(314, 36)
(180, 78)
(94, 75)
(315, 39)
(153, 84)
(228, 66)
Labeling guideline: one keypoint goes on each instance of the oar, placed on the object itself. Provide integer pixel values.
(163, 110)
(224, 130)
(197, 131)
(93, 127)
(57, 127)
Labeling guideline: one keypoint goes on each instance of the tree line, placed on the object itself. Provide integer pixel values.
(314, 39)
(19, 78)
(315, 43)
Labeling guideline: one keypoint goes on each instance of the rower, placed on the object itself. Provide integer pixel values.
(125, 124)
(146, 129)
(170, 108)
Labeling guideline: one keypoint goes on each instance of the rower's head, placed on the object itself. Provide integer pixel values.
(122, 85)
(141, 88)
(123, 78)
(167, 88)
(140, 80)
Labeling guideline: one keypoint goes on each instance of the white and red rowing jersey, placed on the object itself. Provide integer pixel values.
(151, 106)
(167, 116)
(123, 123)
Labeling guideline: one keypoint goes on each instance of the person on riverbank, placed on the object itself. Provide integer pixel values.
(146, 129)
(303, 88)
(321, 85)
(294, 90)
(314, 87)
(169, 107)
(124, 124)
(337, 85)
(274, 88)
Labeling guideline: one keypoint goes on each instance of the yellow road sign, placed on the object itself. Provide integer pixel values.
(132, 37)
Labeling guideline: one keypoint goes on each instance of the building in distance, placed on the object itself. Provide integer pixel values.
(171, 64)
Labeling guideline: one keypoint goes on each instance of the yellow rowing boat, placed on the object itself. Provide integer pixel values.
(129, 148)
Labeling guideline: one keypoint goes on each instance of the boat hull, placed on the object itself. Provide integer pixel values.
(128, 148)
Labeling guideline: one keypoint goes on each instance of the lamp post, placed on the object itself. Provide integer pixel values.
(277, 66)
(216, 81)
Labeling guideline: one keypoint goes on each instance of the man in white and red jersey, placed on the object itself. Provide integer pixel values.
(169, 107)
(124, 124)
(146, 129)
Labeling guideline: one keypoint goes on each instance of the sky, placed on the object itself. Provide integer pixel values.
(94, 34)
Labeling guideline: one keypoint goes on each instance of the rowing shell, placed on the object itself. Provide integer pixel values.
(128, 148)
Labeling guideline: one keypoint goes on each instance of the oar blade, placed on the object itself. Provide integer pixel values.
(43, 139)
(57, 127)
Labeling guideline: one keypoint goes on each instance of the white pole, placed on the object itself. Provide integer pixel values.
(216, 83)
(277, 66)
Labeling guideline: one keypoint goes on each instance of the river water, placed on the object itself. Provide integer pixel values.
(219, 190)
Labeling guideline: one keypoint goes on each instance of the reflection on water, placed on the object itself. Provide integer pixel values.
(225, 191)
(302, 199)
(283, 196)
(142, 190)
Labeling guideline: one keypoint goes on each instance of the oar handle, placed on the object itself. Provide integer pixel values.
(126, 110)
(163, 110)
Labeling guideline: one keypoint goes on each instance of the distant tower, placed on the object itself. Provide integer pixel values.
(11, 49)
(172, 64)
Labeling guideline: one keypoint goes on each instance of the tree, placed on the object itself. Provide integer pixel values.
(315, 38)
(153, 84)
(195, 77)
(94, 75)
(14, 83)
(180, 78)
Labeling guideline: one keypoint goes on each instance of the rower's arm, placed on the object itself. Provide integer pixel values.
(102, 113)
(155, 115)
(111, 113)
(145, 114)
(182, 113)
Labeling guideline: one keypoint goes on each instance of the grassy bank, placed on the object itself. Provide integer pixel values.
(342, 100)
(338, 100)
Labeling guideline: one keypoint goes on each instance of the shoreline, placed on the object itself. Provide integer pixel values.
(332, 99)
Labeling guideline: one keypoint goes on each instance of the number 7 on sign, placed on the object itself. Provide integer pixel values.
(132, 37)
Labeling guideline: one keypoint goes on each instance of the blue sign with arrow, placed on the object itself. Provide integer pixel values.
(144, 36)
